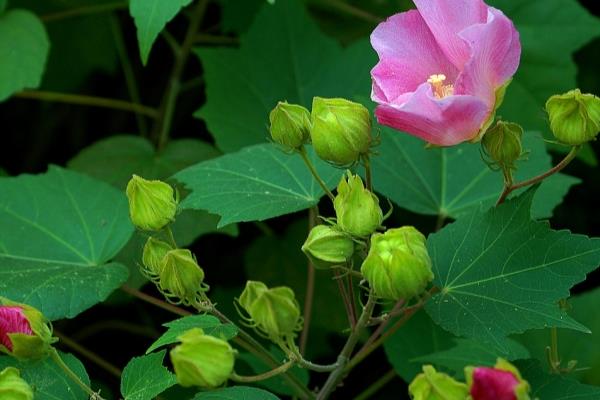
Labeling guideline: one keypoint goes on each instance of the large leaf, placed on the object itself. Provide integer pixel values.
(254, 184)
(555, 387)
(582, 347)
(150, 18)
(455, 181)
(209, 324)
(236, 392)
(551, 31)
(24, 48)
(499, 272)
(57, 233)
(145, 377)
(48, 380)
(283, 56)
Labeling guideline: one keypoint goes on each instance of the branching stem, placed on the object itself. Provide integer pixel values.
(261, 377)
(314, 173)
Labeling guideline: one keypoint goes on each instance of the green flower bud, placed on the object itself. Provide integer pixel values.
(433, 385)
(274, 312)
(341, 130)
(574, 117)
(13, 387)
(181, 277)
(398, 265)
(24, 331)
(155, 251)
(327, 247)
(290, 125)
(356, 208)
(202, 360)
(502, 144)
(151, 203)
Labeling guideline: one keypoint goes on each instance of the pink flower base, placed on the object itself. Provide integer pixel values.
(12, 320)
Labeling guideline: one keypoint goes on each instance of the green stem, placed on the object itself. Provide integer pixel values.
(354, 11)
(85, 10)
(93, 357)
(203, 38)
(313, 214)
(72, 375)
(509, 187)
(554, 355)
(165, 119)
(261, 377)
(377, 385)
(368, 173)
(132, 86)
(314, 173)
(88, 101)
(338, 374)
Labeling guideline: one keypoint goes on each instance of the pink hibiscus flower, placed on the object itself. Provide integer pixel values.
(12, 320)
(440, 67)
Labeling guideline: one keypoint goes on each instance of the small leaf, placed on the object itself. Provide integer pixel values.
(24, 49)
(209, 324)
(145, 377)
(58, 231)
(499, 273)
(150, 18)
(237, 393)
(254, 184)
(48, 380)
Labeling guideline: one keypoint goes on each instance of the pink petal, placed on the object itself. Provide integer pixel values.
(443, 122)
(493, 384)
(12, 320)
(409, 55)
(447, 18)
(496, 52)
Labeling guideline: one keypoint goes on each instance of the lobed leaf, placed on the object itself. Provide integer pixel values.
(145, 377)
(236, 392)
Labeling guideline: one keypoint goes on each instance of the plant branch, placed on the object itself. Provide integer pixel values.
(314, 173)
(338, 374)
(167, 108)
(344, 294)
(72, 375)
(261, 377)
(90, 355)
(204, 38)
(509, 187)
(85, 10)
(377, 385)
(354, 11)
(154, 301)
(313, 214)
(368, 174)
(101, 102)
(375, 335)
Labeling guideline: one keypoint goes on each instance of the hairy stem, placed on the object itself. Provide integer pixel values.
(261, 377)
(313, 214)
(354, 11)
(85, 10)
(101, 102)
(314, 173)
(90, 355)
(72, 375)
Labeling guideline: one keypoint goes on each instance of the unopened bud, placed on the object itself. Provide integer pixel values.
(433, 385)
(341, 130)
(290, 125)
(274, 312)
(502, 144)
(503, 382)
(327, 247)
(151, 203)
(154, 252)
(398, 264)
(574, 117)
(13, 387)
(356, 208)
(181, 277)
(24, 332)
(202, 360)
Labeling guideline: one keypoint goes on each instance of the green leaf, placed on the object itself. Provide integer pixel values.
(209, 324)
(150, 18)
(276, 384)
(24, 48)
(283, 56)
(471, 352)
(58, 231)
(48, 380)
(418, 337)
(236, 393)
(237, 15)
(2, 5)
(455, 181)
(555, 387)
(255, 184)
(3, 172)
(499, 273)
(145, 377)
(582, 347)
(551, 31)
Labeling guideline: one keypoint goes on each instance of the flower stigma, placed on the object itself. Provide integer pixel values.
(437, 85)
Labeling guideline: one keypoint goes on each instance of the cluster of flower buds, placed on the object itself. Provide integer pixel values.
(502, 382)
(152, 204)
(274, 312)
(339, 129)
(24, 332)
(574, 117)
(13, 387)
(202, 360)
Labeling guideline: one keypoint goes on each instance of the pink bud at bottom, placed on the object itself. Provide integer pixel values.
(12, 320)
(493, 384)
